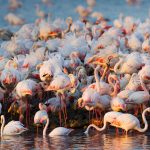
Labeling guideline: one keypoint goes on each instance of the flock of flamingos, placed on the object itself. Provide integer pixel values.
(100, 67)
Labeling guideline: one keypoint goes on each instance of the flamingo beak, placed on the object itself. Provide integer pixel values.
(27, 92)
(124, 107)
(53, 34)
(10, 108)
(7, 80)
(25, 66)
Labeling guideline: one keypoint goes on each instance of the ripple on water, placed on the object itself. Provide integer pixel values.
(77, 141)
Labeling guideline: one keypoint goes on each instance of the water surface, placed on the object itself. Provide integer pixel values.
(107, 141)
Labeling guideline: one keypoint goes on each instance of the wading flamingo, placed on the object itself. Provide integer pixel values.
(62, 83)
(124, 121)
(60, 131)
(12, 128)
(41, 116)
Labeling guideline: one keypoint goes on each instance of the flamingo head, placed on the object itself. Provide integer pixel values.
(27, 92)
(9, 81)
(123, 107)
(80, 103)
(148, 109)
(48, 77)
(81, 73)
(25, 66)
(42, 106)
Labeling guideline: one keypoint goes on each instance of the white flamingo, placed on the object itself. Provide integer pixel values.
(116, 103)
(124, 121)
(14, 19)
(139, 97)
(60, 131)
(12, 128)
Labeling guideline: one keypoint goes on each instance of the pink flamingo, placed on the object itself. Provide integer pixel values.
(121, 120)
(61, 83)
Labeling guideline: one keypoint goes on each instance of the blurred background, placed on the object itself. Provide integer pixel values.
(30, 10)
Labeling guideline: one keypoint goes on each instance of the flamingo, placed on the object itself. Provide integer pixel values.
(25, 89)
(146, 46)
(49, 68)
(60, 131)
(54, 105)
(0, 108)
(10, 77)
(116, 102)
(18, 107)
(39, 12)
(139, 97)
(14, 19)
(134, 83)
(12, 128)
(83, 12)
(131, 64)
(14, 4)
(61, 83)
(93, 98)
(101, 86)
(91, 3)
(41, 115)
(124, 121)
(144, 73)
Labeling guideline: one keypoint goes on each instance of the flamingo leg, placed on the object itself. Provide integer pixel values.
(136, 111)
(37, 129)
(60, 117)
(92, 115)
(89, 116)
(96, 114)
(141, 108)
(27, 113)
(64, 108)
(117, 131)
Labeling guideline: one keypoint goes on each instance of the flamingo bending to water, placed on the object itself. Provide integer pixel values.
(125, 121)
(12, 128)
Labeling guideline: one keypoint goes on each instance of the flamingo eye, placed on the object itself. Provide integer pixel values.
(44, 75)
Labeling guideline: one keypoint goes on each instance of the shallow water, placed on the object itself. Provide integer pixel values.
(78, 141)
(64, 8)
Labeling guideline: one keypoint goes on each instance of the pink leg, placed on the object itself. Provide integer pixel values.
(117, 131)
(27, 112)
(96, 114)
(64, 109)
(136, 110)
(60, 117)
(89, 116)
(92, 114)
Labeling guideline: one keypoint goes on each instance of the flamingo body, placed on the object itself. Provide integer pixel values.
(60, 131)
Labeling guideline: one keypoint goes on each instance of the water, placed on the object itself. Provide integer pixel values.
(64, 8)
(77, 140)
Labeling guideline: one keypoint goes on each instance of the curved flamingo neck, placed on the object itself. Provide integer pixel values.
(145, 122)
(115, 87)
(46, 126)
(97, 78)
(105, 71)
(143, 86)
(96, 127)
(3, 123)
(118, 65)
